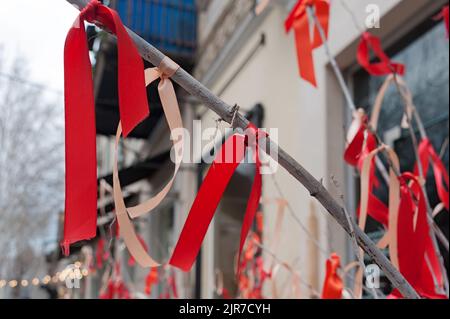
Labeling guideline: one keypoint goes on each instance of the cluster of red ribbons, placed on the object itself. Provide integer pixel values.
(252, 276)
(115, 287)
(333, 285)
(211, 191)
(81, 179)
(427, 154)
(417, 259)
(81, 165)
(408, 236)
(299, 21)
(384, 66)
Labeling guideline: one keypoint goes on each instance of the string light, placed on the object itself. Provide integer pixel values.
(74, 271)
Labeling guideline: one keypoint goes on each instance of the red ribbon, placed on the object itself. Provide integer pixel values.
(427, 153)
(116, 288)
(298, 20)
(100, 253)
(81, 165)
(385, 66)
(354, 155)
(414, 241)
(150, 280)
(359, 145)
(210, 193)
(444, 15)
(333, 284)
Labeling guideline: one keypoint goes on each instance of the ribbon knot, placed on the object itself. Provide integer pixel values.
(89, 13)
(305, 43)
(385, 65)
(167, 68)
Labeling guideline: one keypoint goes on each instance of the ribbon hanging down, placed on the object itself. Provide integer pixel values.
(385, 66)
(361, 142)
(299, 21)
(172, 111)
(391, 217)
(211, 191)
(81, 166)
(410, 246)
(333, 285)
(427, 154)
(417, 259)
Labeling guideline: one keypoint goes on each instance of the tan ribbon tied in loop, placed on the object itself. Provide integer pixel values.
(405, 93)
(171, 109)
(390, 239)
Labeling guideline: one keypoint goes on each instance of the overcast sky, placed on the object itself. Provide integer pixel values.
(36, 30)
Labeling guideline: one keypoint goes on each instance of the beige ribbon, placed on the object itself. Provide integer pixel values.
(270, 265)
(171, 109)
(262, 5)
(404, 91)
(390, 238)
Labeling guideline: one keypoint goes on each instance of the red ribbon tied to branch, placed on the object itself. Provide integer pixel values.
(385, 66)
(427, 153)
(205, 204)
(333, 284)
(417, 258)
(361, 142)
(298, 20)
(81, 165)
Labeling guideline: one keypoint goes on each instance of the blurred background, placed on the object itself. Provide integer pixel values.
(238, 49)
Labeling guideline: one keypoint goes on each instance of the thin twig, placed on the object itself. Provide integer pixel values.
(356, 249)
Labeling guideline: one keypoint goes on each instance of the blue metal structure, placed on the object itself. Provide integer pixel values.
(170, 25)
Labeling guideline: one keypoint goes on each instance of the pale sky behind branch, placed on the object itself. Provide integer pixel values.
(36, 30)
